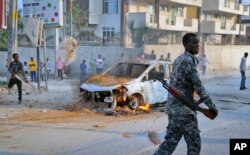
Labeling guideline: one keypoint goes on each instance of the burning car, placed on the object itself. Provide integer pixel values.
(129, 83)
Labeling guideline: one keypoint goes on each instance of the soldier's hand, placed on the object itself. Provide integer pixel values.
(214, 112)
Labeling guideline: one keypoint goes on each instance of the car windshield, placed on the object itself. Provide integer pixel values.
(127, 70)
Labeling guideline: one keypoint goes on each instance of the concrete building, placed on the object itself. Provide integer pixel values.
(161, 21)
(166, 19)
(221, 20)
(138, 22)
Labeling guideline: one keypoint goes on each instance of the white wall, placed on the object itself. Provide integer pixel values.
(109, 20)
(111, 54)
(221, 58)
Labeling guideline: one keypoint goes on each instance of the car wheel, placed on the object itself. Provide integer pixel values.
(134, 103)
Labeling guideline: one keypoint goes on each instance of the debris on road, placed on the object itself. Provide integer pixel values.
(99, 126)
(153, 137)
(126, 135)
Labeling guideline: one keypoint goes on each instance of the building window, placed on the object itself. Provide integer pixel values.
(108, 34)
(227, 3)
(223, 22)
(110, 6)
(179, 12)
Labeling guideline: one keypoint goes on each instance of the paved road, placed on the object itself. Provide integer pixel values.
(129, 137)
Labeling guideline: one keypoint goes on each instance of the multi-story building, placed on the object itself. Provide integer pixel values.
(118, 22)
(221, 20)
(167, 20)
(152, 21)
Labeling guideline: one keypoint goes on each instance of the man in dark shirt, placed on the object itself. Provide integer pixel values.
(16, 69)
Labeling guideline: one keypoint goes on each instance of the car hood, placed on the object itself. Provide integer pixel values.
(104, 82)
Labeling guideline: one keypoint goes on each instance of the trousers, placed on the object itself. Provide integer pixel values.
(179, 126)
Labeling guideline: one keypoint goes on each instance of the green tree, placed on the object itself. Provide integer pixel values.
(80, 17)
(3, 39)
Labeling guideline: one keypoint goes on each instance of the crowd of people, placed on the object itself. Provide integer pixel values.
(30, 68)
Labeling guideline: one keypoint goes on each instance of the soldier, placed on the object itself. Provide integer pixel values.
(183, 120)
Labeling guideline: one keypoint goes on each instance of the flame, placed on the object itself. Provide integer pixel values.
(145, 107)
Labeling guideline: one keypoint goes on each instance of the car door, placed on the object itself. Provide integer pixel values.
(155, 93)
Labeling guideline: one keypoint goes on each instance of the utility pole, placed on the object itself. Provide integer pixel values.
(71, 5)
(12, 29)
(202, 43)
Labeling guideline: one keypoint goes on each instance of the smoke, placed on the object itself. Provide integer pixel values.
(67, 50)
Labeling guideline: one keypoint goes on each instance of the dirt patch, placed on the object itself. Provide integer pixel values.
(6, 137)
(45, 116)
(126, 135)
(14, 147)
(80, 106)
(99, 126)
(59, 116)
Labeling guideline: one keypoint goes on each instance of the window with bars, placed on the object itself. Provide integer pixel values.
(110, 6)
(108, 34)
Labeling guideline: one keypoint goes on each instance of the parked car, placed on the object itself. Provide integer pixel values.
(129, 83)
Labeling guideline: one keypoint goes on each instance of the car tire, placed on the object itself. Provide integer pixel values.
(134, 103)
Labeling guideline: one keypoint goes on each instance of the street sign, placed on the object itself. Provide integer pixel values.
(50, 11)
(33, 29)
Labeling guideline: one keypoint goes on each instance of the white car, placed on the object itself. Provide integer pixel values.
(129, 83)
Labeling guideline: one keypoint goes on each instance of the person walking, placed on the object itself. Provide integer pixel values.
(48, 68)
(32, 68)
(16, 69)
(59, 67)
(152, 56)
(168, 58)
(83, 68)
(182, 119)
(99, 64)
(25, 68)
(204, 62)
(243, 71)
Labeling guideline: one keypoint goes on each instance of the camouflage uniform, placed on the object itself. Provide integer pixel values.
(183, 120)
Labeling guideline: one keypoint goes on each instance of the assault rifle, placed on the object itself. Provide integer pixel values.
(189, 103)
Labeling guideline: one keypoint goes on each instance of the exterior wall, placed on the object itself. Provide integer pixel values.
(221, 58)
(138, 11)
(104, 20)
(191, 12)
(111, 54)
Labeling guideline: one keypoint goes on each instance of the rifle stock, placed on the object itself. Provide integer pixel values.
(189, 103)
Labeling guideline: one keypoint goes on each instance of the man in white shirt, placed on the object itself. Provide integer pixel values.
(99, 64)
(48, 67)
(243, 71)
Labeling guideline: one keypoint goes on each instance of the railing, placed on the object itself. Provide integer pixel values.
(188, 22)
(242, 27)
(233, 27)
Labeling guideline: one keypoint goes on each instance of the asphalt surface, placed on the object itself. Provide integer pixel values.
(89, 135)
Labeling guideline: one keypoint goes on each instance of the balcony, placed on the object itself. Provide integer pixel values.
(213, 27)
(179, 24)
(143, 19)
(230, 7)
(197, 3)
